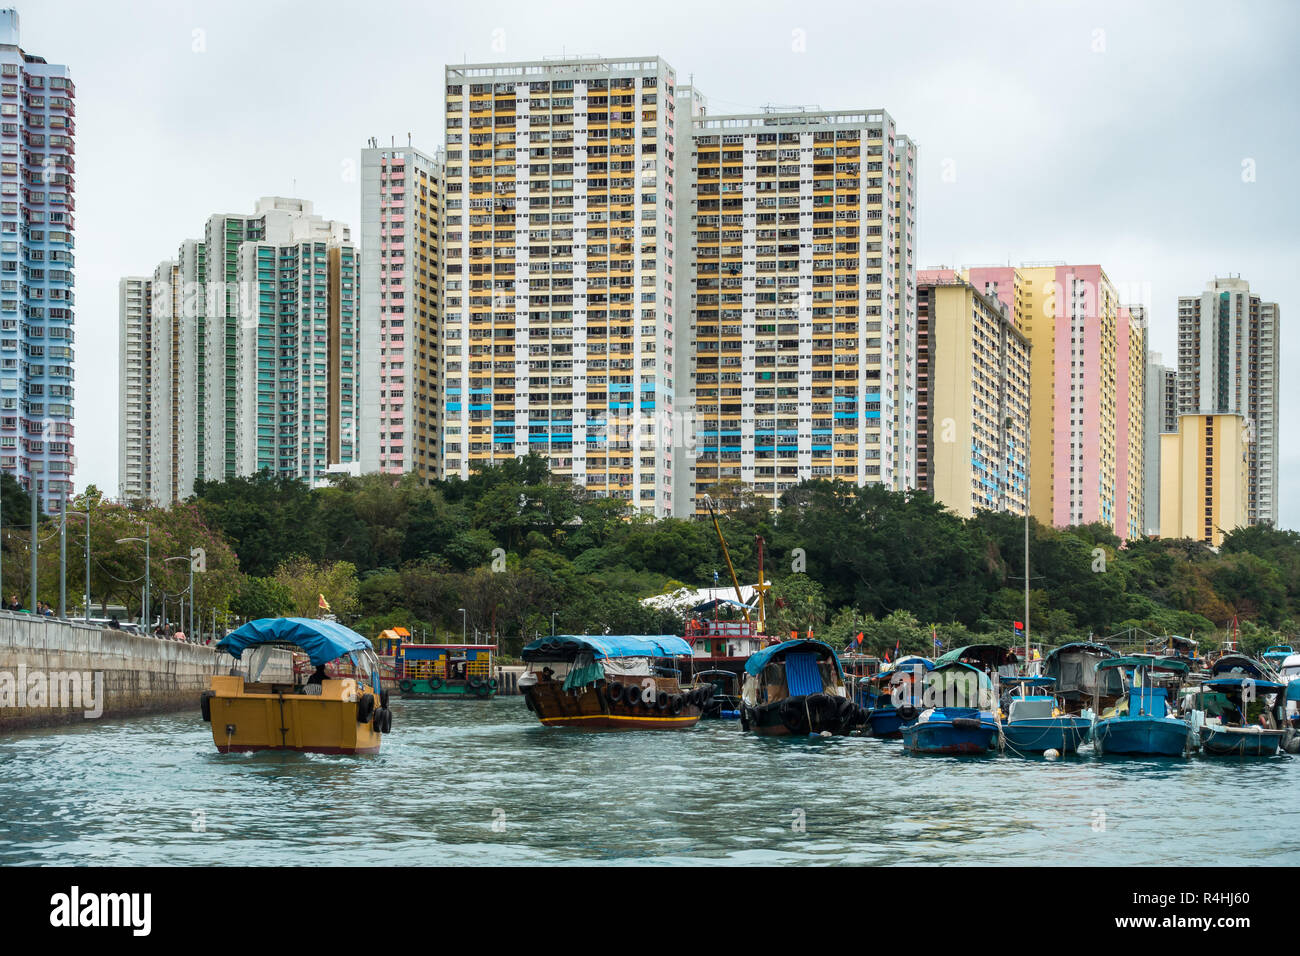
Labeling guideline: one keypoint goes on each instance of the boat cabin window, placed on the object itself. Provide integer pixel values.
(1023, 708)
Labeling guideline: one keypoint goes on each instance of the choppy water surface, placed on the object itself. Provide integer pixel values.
(483, 783)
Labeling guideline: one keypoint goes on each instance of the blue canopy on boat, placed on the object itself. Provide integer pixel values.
(1089, 647)
(1154, 663)
(601, 646)
(909, 661)
(322, 640)
(1230, 664)
(758, 661)
(1029, 681)
(1267, 686)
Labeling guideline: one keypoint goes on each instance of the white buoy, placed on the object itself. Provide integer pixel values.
(1051, 754)
(826, 733)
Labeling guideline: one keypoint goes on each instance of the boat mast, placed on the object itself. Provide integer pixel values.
(1026, 577)
(744, 609)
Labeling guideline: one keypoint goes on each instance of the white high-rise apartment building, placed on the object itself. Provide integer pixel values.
(559, 222)
(248, 353)
(1228, 351)
(133, 377)
(401, 290)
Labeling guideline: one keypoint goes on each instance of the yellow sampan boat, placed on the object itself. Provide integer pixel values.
(323, 715)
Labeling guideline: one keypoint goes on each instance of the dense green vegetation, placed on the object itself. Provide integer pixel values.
(511, 547)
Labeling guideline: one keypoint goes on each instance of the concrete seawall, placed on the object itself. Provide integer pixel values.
(51, 672)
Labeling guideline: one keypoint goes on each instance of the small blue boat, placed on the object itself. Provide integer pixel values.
(959, 718)
(896, 697)
(1244, 717)
(1141, 722)
(1036, 723)
(952, 731)
(1276, 655)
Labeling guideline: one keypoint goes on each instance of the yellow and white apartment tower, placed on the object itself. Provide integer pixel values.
(973, 398)
(1204, 477)
(801, 305)
(401, 290)
(558, 324)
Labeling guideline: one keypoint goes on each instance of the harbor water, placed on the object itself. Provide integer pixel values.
(483, 783)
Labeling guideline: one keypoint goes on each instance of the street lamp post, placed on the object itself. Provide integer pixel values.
(190, 591)
(464, 624)
(552, 624)
(63, 557)
(144, 624)
(31, 491)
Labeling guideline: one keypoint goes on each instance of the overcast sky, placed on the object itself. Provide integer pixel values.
(1087, 132)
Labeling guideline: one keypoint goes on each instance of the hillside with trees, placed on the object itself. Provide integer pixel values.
(512, 547)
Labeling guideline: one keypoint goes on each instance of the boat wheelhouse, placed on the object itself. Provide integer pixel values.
(796, 688)
(1243, 716)
(726, 693)
(1142, 721)
(1035, 720)
(446, 671)
(958, 717)
(1275, 655)
(1079, 683)
(993, 659)
(611, 682)
(893, 696)
(318, 714)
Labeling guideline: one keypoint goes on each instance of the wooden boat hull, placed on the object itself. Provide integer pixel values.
(802, 715)
(1147, 736)
(951, 735)
(886, 722)
(591, 707)
(446, 690)
(1240, 741)
(245, 720)
(1037, 734)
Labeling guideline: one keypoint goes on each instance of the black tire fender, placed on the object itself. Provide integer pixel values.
(365, 707)
(205, 705)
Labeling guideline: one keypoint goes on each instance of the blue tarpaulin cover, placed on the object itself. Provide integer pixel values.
(607, 645)
(758, 661)
(322, 640)
(802, 675)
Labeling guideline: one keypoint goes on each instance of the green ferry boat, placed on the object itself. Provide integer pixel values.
(445, 671)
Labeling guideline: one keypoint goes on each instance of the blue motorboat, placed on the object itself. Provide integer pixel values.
(1275, 656)
(1036, 722)
(1243, 715)
(959, 717)
(1141, 722)
(895, 696)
